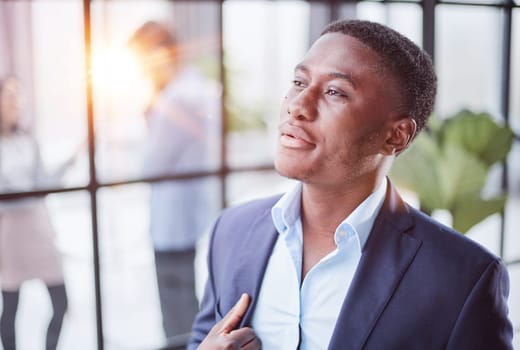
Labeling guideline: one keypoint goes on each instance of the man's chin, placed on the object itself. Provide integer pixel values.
(290, 172)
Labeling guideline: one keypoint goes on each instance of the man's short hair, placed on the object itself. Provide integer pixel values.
(408, 63)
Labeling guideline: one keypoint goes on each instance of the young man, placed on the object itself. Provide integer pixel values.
(341, 262)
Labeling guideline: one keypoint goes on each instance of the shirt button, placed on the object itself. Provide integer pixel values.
(342, 234)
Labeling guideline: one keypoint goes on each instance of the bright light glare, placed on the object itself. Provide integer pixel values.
(113, 69)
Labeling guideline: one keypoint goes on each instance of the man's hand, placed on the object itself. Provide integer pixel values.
(224, 335)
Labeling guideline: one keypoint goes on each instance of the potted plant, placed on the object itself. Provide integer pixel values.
(448, 165)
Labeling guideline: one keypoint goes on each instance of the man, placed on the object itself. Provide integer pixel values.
(341, 262)
(179, 117)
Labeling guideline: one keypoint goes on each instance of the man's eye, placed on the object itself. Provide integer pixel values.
(297, 83)
(332, 92)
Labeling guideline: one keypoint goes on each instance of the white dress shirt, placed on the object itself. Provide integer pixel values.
(291, 313)
(181, 130)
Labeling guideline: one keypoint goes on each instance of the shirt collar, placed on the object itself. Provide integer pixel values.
(363, 217)
(286, 212)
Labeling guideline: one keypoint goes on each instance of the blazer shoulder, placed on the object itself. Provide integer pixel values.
(238, 219)
(249, 211)
(447, 242)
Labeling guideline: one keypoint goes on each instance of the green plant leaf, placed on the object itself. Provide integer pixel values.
(439, 176)
(461, 174)
(447, 166)
(478, 134)
(470, 210)
(416, 169)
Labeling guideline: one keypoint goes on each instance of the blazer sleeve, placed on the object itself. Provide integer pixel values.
(483, 321)
(206, 317)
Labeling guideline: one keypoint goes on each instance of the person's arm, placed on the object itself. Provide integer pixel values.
(69, 162)
(53, 178)
(210, 330)
(205, 318)
(483, 322)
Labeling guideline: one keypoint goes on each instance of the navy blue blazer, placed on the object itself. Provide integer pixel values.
(419, 285)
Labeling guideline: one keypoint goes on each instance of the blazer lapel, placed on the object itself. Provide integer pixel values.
(386, 256)
(253, 258)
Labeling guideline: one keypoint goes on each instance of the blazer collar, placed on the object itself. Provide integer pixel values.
(386, 256)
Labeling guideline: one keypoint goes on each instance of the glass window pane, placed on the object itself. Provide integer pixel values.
(468, 59)
(514, 115)
(46, 255)
(242, 187)
(71, 216)
(156, 90)
(42, 93)
(263, 41)
(480, 1)
(514, 157)
(148, 235)
(487, 233)
(319, 16)
(405, 18)
(512, 220)
(513, 204)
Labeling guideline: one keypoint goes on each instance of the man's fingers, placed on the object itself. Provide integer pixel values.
(243, 338)
(225, 335)
(254, 344)
(246, 337)
(234, 316)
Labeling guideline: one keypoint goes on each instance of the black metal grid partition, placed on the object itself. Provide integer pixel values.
(240, 175)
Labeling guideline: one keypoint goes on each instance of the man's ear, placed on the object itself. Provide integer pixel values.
(400, 133)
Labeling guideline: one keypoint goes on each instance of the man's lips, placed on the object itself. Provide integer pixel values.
(295, 137)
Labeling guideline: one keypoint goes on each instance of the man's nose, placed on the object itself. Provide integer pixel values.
(302, 105)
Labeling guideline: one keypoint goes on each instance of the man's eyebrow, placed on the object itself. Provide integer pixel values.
(343, 76)
(332, 75)
(301, 67)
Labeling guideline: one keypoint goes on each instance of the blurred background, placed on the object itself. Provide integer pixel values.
(82, 96)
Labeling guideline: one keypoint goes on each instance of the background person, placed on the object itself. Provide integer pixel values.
(182, 109)
(27, 249)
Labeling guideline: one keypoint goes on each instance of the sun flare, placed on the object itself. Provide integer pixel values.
(113, 69)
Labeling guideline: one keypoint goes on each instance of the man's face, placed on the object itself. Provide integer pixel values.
(152, 64)
(337, 115)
